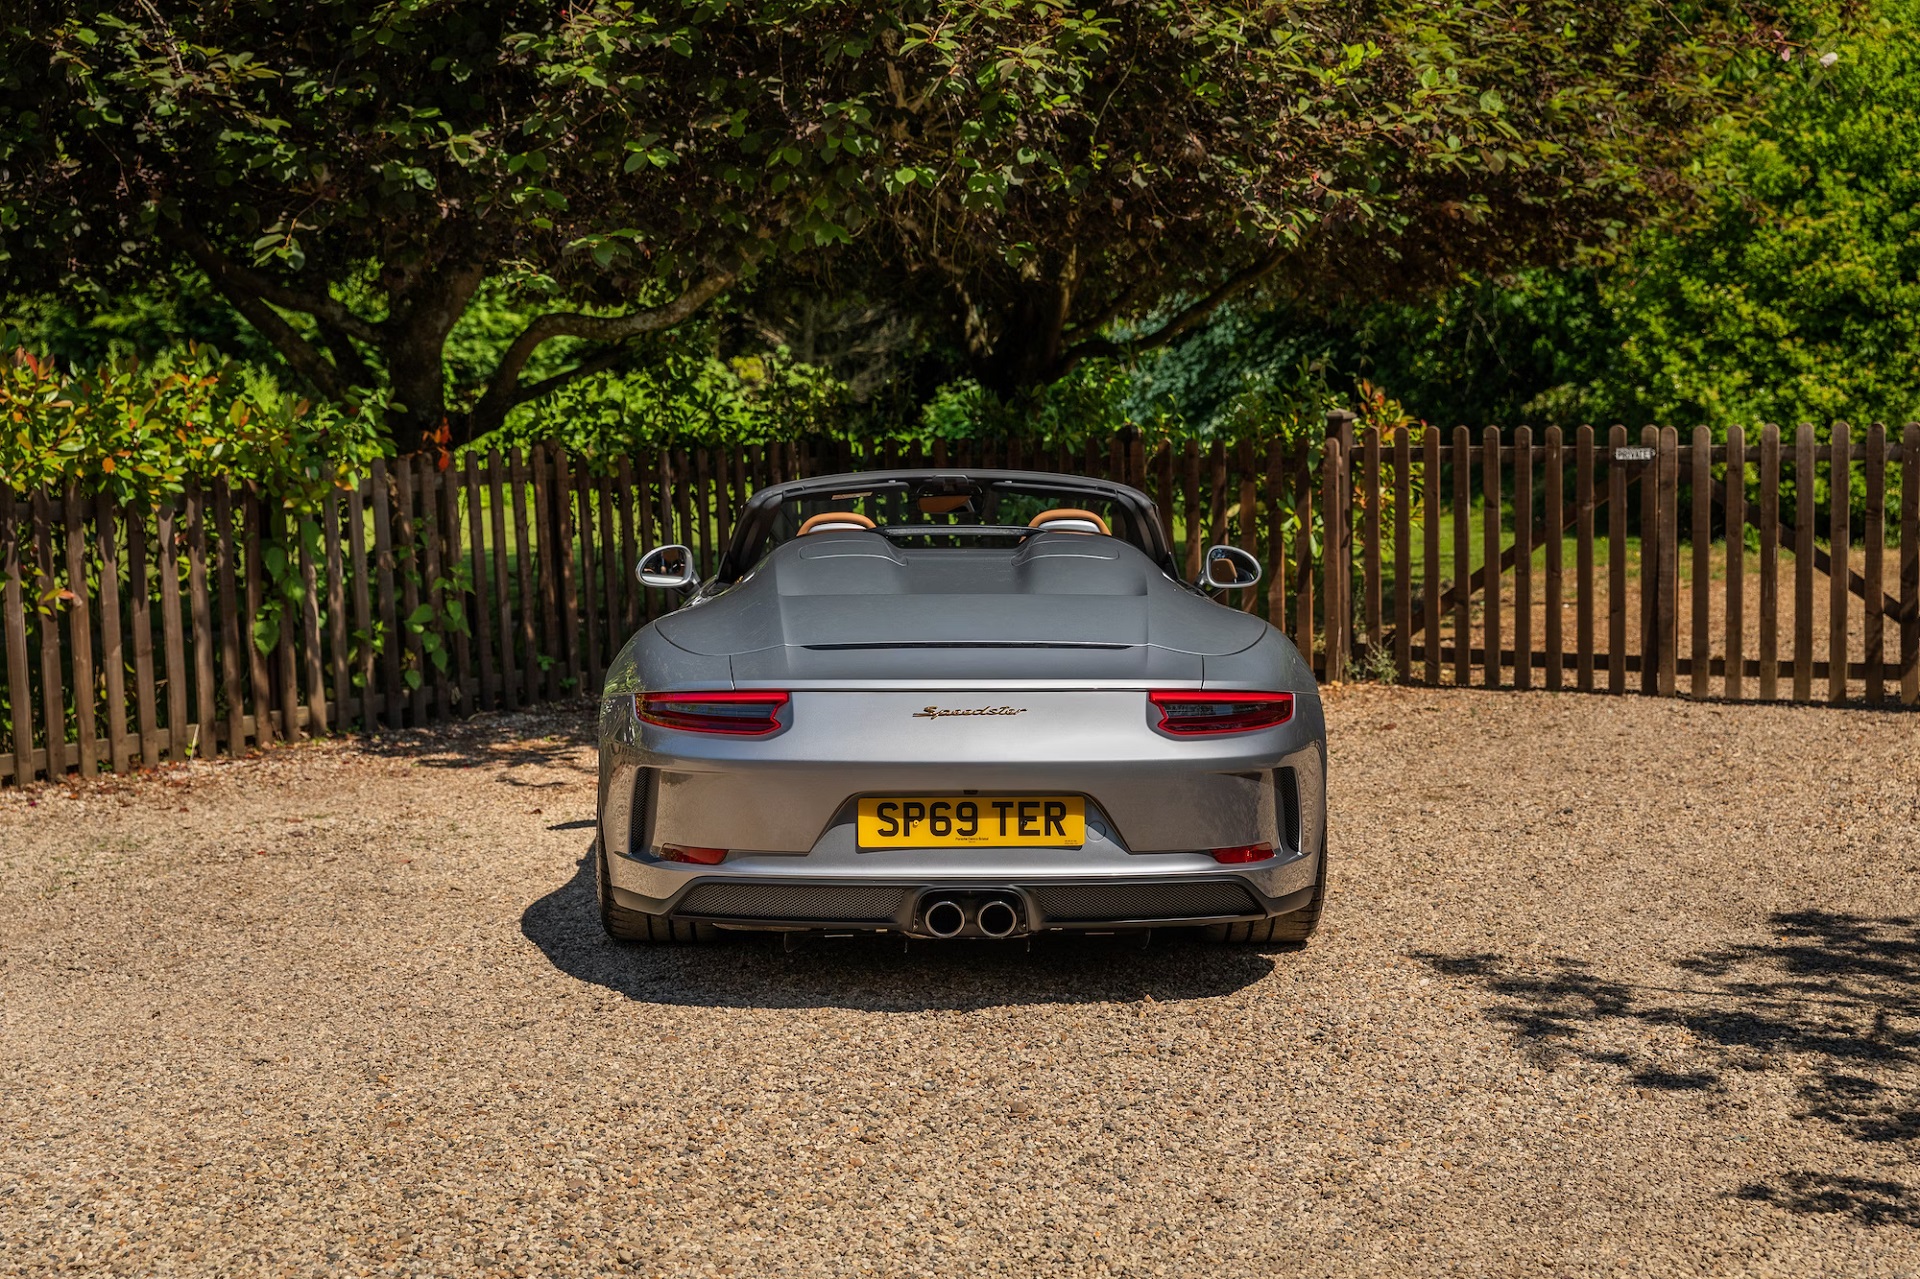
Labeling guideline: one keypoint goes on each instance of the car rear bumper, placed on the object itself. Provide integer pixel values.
(884, 904)
(783, 809)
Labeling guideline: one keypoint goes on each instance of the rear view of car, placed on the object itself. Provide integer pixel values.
(975, 704)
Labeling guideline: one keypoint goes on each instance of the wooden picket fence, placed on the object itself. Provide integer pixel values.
(1815, 609)
(419, 595)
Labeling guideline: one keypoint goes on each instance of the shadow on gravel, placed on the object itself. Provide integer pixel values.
(543, 735)
(1834, 998)
(876, 975)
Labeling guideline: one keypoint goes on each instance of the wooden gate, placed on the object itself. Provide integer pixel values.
(1568, 560)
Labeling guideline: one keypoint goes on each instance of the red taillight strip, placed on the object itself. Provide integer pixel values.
(1199, 712)
(735, 712)
(1240, 853)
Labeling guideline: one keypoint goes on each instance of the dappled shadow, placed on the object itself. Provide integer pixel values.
(1832, 998)
(542, 736)
(879, 974)
(1874, 1201)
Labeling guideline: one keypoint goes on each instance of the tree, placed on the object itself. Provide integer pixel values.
(1795, 293)
(1041, 184)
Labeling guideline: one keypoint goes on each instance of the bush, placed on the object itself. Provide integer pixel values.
(140, 432)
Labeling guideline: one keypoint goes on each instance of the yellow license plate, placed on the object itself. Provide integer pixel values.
(973, 821)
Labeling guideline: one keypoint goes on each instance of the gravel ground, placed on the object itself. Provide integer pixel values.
(1607, 986)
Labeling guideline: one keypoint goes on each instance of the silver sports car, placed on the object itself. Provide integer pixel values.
(958, 703)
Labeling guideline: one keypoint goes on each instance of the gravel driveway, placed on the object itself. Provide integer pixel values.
(1607, 986)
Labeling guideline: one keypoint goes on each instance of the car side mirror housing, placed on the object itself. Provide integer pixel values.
(1230, 569)
(670, 568)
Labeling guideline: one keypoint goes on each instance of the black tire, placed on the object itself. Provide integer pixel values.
(638, 926)
(1292, 929)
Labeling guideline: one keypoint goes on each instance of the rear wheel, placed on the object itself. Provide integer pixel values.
(1292, 929)
(637, 925)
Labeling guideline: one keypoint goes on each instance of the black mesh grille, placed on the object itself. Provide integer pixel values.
(1286, 795)
(639, 834)
(801, 902)
(1081, 903)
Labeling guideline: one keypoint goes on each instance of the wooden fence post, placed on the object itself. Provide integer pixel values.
(1430, 586)
(1402, 555)
(199, 602)
(233, 630)
(1334, 575)
(1371, 561)
(385, 566)
(1666, 614)
(1555, 589)
(1873, 566)
(140, 618)
(1769, 562)
(337, 612)
(1839, 546)
(479, 615)
(1616, 561)
(1803, 521)
(53, 704)
(1249, 508)
(1490, 505)
(510, 678)
(1522, 557)
(1910, 565)
(113, 651)
(1734, 684)
(362, 600)
(18, 685)
(1584, 585)
(1650, 580)
(1303, 630)
(1462, 567)
(1191, 509)
(1700, 658)
(1276, 524)
(80, 633)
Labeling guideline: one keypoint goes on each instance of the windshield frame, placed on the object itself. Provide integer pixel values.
(757, 516)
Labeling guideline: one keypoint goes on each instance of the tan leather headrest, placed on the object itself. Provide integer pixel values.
(832, 520)
(1069, 513)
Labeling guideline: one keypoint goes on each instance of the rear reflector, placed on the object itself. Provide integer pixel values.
(737, 712)
(1197, 712)
(698, 856)
(1243, 853)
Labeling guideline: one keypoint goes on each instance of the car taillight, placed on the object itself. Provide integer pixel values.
(1196, 712)
(1243, 853)
(698, 856)
(738, 712)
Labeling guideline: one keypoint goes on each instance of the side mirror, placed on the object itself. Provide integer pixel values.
(668, 567)
(1230, 569)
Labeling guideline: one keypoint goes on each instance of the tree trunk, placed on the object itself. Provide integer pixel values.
(415, 350)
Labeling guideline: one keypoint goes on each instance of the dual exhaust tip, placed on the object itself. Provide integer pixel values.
(996, 917)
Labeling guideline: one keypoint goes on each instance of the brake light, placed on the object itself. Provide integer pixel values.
(698, 856)
(737, 712)
(1198, 712)
(1243, 853)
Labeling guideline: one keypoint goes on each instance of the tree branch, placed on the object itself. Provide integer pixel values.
(504, 389)
(319, 306)
(235, 285)
(346, 357)
(1182, 323)
(598, 363)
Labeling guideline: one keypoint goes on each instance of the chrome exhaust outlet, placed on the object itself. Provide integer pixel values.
(944, 918)
(997, 919)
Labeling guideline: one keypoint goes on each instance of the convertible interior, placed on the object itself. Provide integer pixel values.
(944, 509)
